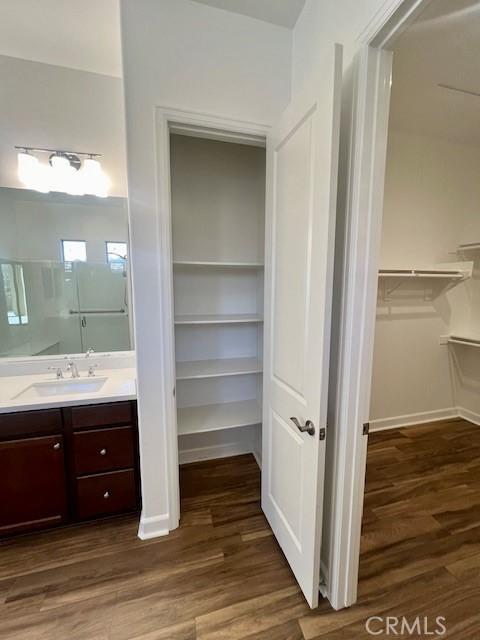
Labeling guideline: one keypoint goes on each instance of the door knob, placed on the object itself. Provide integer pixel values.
(103, 452)
(56, 446)
(308, 427)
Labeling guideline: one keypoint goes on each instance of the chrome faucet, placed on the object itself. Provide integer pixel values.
(89, 352)
(72, 366)
(58, 372)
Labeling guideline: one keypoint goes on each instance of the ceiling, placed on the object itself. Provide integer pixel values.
(280, 12)
(81, 34)
(442, 47)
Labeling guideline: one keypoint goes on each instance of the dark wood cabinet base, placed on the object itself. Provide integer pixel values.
(61, 466)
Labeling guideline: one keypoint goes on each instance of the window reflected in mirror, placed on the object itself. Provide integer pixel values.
(117, 256)
(74, 250)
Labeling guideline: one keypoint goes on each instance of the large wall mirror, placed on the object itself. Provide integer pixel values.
(64, 275)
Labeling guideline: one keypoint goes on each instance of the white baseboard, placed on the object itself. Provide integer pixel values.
(412, 419)
(153, 527)
(471, 416)
(258, 457)
(214, 451)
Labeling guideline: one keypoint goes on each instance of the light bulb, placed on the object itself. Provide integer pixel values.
(64, 176)
(27, 168)
(95, 181)
(74, 185)
(43, 181)
(33, 174)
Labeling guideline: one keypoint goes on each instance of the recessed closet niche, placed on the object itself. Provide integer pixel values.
(218, 221)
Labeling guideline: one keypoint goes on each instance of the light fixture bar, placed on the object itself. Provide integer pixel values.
(59, 151)
(64, 172)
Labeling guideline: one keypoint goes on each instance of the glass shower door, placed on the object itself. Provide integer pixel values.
(102, 306)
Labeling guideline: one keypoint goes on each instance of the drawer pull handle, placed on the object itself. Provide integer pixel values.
(103, 452)
(106, 495)
(56, 446)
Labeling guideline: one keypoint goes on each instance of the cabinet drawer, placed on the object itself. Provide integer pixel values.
(106, 494)
(103, 450)
(30, 423)
(101, 414)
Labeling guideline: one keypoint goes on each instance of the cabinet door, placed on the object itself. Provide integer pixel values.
(32, 484)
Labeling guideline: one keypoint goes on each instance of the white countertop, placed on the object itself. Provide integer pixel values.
(119, 385)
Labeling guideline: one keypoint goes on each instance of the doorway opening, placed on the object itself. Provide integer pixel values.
(420, 381)
(224, 204)
(423, 451)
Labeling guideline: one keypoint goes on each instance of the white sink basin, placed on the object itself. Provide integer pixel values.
(61, 388)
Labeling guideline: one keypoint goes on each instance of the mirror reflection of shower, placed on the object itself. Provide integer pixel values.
(64, 274)
(50, 308)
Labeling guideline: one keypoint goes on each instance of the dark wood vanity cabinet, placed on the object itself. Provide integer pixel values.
(66, 465)
(32, 484)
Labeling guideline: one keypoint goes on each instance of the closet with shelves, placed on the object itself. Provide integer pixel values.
(426, 365)
(218, 220)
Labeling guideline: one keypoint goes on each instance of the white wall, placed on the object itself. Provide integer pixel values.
(320, 25)
(185, 55)
(79, 35)
(218, 200)
(44, 105)
(431, 201)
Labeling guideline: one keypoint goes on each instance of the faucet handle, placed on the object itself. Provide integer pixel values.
(89, 352)
(91, 370)
(58, 372)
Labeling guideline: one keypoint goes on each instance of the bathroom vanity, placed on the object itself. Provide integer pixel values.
(67, 464)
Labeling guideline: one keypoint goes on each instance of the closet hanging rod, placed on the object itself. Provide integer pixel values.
(421, 273)
(94, 311)
(470, 342)
(469, 247)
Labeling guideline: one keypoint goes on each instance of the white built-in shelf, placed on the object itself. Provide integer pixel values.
(236, 318)
(464, 340)
(449, 274)
(218, 265)
(213, 417)
(218, 368)
(438, 279)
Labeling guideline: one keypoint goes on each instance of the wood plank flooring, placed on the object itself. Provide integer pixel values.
(221, 575)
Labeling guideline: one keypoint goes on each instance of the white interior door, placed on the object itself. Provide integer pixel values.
(302, 163)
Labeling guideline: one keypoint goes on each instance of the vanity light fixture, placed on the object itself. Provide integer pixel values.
(65, 172)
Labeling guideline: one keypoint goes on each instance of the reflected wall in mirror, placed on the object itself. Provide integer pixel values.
(64, 278)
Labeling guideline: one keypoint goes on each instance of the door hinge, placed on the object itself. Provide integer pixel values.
(366, 428)
(322, 433)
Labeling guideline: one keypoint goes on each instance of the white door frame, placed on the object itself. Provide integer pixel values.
(220, 128)
(363, 219)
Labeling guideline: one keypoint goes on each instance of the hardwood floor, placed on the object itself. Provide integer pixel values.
(221, 575)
